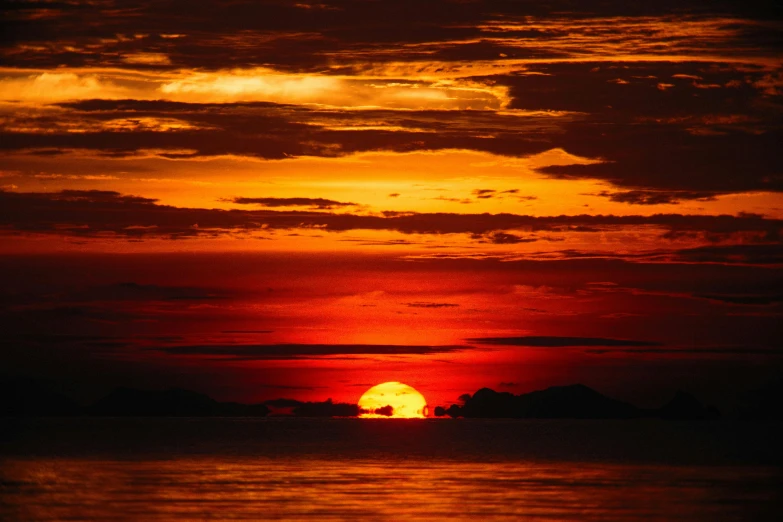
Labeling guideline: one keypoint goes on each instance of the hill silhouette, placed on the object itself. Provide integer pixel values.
(685, 406)
(20, 397)
(576, 401)
(327, 408)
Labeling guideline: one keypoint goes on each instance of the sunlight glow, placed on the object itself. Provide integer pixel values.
(393, 400)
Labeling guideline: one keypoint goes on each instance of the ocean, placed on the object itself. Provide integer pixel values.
(161, 469)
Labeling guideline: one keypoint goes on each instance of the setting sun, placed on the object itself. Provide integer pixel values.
(393, 399)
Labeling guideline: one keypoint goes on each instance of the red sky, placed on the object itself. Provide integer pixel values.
(294, 199)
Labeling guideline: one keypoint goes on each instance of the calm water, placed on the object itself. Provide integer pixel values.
(336, 469)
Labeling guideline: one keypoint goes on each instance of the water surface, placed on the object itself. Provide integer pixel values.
(336, 469)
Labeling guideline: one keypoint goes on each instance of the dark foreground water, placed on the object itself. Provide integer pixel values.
(337, 469)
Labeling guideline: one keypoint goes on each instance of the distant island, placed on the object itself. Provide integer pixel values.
(27, 398)
(571, 402)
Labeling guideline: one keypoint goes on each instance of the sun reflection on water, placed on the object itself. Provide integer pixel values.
(233, 488)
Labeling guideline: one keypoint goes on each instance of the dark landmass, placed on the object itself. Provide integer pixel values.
(570, 402)
(283, 403)
(325, 409)
(295, 408)
(21, 397)
(684, 406)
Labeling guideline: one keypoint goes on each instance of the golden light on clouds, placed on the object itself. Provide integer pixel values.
(50, 87)
(337, 91)
(247, 85)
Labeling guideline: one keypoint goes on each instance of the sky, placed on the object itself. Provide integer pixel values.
(264, 199)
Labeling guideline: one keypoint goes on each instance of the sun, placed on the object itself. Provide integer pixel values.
(393, 400)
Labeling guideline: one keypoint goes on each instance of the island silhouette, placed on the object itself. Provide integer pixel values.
(576, 401)
(22, 397)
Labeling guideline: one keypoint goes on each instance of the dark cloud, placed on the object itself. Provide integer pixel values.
(130, 291)
(683, 142)
(652, 156)
(96, 213)
(287, 402)
(504, 238)
(771, 254)
(694, 351)
(650, 197)
(101, 196)
(49, 338)
(484, 193)
(299, 351)
(65, 314)
(301, 36)
(247, 331)
(626, 91)
(644, 143)
(557, 342)
(464, 201)
(318, 203)
(492, 193)
(270, 130)
(743, 299)
(431, 305)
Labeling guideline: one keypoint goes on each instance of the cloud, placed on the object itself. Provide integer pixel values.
(765, 254)
(305, 351)
(651, 197)
(464, 201)
(64, 314)
(247, 331)
(431, 305)
(504, 238)
(743, 299)
(109, 214)
(259, 84)
(694, 351)
(147, 58)
(318, 203)
(557, 342)
(492, 193)
(484, 193)
(711, 161)
(55, 86)
(287, 402)
(647, 137)
(346, 35)
(732, 134)
(718, 144)
(130, 291)
(267, 130)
